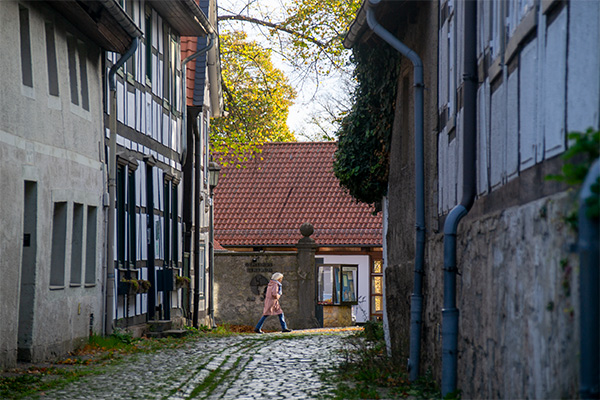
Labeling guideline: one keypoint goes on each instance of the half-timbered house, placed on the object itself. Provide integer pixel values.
(152, 147)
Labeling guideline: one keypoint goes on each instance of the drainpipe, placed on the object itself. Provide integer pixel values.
(589, 297)
(211, 43)
(416, 304)
(112, 185)
(197, 197)
(197, 172)
(450, 313)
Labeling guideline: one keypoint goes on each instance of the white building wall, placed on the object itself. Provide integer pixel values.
(525, 111)
(360, 311)
(56, 145)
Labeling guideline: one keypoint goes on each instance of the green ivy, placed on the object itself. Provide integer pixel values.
(580, 155)
(362, 158)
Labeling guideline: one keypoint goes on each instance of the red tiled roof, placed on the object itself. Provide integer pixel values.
(188, 47)
(265, 202)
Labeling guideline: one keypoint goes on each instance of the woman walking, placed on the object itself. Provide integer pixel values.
(272, 306)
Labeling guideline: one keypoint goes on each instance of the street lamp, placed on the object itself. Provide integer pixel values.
(213, 180)
(213, 174)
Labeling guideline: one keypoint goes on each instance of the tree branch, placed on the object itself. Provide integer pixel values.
(273, 26)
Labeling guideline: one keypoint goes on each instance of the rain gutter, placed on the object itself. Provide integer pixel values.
(416, 307)
(450, 313)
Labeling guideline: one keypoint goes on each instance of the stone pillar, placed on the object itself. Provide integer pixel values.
(306, 278)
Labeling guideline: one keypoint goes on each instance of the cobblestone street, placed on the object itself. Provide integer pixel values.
(274, 366)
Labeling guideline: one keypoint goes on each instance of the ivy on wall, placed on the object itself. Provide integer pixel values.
(362, 158)
(579, 157)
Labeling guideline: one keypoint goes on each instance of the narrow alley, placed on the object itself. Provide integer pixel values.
(274, 366)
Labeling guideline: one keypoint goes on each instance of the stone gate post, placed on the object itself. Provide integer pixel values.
(306, 278)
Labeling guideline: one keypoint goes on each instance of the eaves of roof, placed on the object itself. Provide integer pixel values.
(185, 16)
(103, 21)
(359, 30)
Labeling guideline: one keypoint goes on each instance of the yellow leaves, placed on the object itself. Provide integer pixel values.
(258, 98)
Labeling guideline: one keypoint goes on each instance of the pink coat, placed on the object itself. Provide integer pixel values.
(272, 296)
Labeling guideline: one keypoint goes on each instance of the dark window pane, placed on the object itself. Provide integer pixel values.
(51, 60)
(26, 71)
(71, 51)
(59, 237)
(85, 98)
(149, 47)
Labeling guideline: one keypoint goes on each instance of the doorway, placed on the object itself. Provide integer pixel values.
(28, 273)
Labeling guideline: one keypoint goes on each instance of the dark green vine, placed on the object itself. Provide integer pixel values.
(580, 155)
(362, 158)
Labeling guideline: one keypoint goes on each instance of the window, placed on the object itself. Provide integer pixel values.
(121, 217)
(72, 60)
(90, 246)
(202, 272)
(377, 289)
(126, 216)
(174, 226)
(171, 247)
(85, 101)
(174, 64)
(166, 65)
(77, 56)
(167, 222)
(148, 40)
(51, 60)
(59, 237)
(26, 66)
(132, 219)
(337, 284)
(77, 245)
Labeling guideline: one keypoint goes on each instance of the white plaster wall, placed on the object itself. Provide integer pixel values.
(583, 87)
(360, 311)
(48, 140)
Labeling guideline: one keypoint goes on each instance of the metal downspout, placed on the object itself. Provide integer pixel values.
(450, 313)
(112, 185)
(416, 306)
(196, 246)
(211, 266)
(589, 294)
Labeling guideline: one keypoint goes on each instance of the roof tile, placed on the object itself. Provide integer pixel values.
(291, 183)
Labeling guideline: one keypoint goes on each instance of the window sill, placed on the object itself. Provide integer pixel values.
(527, 25)
(547, 5)
(56, 287)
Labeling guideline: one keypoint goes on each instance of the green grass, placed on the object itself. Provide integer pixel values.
(368, 373)
(92, 358)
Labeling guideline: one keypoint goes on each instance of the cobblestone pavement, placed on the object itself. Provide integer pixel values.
(273, 366)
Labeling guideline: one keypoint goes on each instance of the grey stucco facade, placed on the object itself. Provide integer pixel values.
(52, 180)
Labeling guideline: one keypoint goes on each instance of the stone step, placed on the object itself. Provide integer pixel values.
(177, 333)
(160, 326)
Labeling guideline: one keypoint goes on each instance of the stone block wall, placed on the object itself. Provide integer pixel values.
(517, 293)
(337, 316)
(240, 279)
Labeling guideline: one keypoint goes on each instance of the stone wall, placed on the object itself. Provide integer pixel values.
(519, 300)
(517, 293)
(240, 279)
